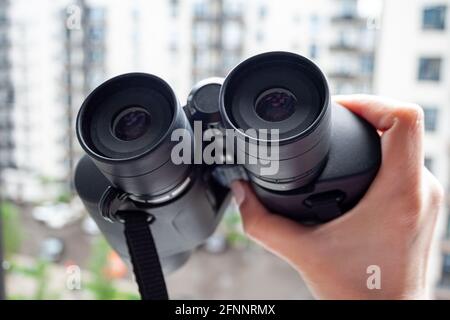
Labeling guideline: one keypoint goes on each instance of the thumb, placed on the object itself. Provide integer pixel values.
(278, 234)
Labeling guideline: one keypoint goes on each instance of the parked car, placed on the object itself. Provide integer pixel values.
(57, 215)
(51, 249)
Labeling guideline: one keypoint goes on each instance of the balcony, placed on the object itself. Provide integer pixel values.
(344, 47)
(217, 13)
(219, 18)
(343, 75)
(348, 18)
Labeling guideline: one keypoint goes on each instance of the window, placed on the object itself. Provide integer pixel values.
(448, 228)
(343, 38)
(232, 8)
(201, 34)
(314, 23)
(3, 17)
(232, 35)
(96, 34)
(446, 270)
(96, 56)
(200, 8)
(430, 69)
(173, 42)
(431, 117)
(367, 64)
(174, 8)
(202, 59)
(95, 79)
(259, 36)
(433, 18)
(313, 51)
(96, 14)
(349, 8)
(262, 12)
(230, 59)
(3, 39)
(429, 163)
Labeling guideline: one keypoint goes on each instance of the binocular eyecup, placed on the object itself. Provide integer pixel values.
(125, 126)
(278, 103)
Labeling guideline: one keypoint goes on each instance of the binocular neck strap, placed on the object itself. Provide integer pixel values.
(144, 257)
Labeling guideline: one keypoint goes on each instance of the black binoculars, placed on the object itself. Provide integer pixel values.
(314, 159)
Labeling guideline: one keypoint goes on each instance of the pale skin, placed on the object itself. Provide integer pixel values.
(391, 227)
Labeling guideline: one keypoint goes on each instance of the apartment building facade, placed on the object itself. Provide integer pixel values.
(53, 54)
(50, 71)
(413, 64)
(6, 88)
(352, 48)
(337, 34)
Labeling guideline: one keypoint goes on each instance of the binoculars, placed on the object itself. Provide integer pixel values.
(314, 159)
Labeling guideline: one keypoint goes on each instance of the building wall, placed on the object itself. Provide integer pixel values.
(55, 65)
(336, 34)
(6, 89)
(403, 42)
(37, 112)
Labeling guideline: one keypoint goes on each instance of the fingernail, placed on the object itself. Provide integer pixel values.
(238, 192)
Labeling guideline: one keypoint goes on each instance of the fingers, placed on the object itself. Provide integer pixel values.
(276, 233)
(401, 124)
(381, 112)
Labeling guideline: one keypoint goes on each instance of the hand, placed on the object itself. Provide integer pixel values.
(391, 227)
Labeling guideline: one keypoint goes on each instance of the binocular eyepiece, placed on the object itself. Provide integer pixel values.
(125, 125)
(283, 93)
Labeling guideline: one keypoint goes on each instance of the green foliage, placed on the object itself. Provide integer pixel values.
(64, 197)
(41, 275)
(11, 228)
(101, 285)
(232, 225)
(47, 180)
(39, 272)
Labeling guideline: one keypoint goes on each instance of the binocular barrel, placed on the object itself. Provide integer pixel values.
(125, 126)
(286, 94)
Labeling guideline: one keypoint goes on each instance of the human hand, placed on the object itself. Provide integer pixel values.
(391, 227)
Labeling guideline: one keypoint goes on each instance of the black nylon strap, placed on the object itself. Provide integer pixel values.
(144, 257)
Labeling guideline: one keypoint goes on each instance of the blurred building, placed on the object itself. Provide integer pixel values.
(54, 54)
(6, 89)
(351, 48)
(53, 65)
(61, 50)
(217, 41)
(84, 68)
(339, 35)
(413, 64)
